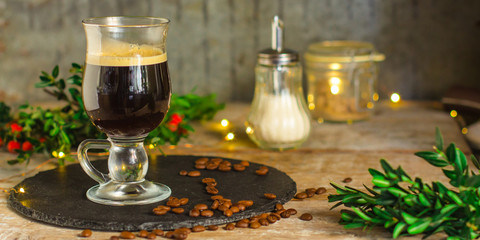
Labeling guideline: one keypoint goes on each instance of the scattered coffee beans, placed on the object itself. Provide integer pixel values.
(347, 180)
(206, 213)
(201, 206)
(151, 236)
(183, 173)
(245, 163)
(254, 225)
(201, 161)
(285, 214)
(158, 232)
(320, 190)
(239, 167)
(301, 195)
(169, 234)
(178, 210)
(263, 222)
(127, 235)
(306, 217)
(183, 201)
(114, 238)
(262, 171)
(198, 228)
(159, 211)
(278, 206)
(200, 166)
(216, 197)
(242, 224)
(270, 196)
(212, 228)
(143, 233)
(292, 211)
(194, 212)
(194, 173)
(230, 226)
(85, 233)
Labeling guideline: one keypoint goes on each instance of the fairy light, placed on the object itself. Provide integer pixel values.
(334, 85)
(61, 154)
(334, 89)
(230, 136)
(249, 130)
(453, 113)
(54, 154)
(375, 97)
(151, 146)
(22, 190)
(370, 105)
(224, 123)
(335, 66)
(464, 130)
(395, 98)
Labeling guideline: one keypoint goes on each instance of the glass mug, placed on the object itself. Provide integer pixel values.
(126, 93)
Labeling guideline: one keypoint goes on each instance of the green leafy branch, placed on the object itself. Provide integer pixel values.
(409, 206)
(56, 131)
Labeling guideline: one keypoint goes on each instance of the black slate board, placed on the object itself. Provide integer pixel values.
(58, 196)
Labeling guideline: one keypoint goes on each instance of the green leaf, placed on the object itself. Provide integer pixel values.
(433, 158)
(475, 161)
(419, 226)
(42, 84)
(386, 167)
(409, 218)
(473, 181)
(55, 72)
(450, 153)
(381, 182)
(438, 139)
(423, 200)
(399, 229)
(354, 225)
(397, 192)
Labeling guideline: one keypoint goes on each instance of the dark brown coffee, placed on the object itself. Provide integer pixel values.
(126, 100)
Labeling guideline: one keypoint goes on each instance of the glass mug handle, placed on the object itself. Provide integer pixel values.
(87, 166)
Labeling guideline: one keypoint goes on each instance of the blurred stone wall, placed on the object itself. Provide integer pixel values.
(212, 44)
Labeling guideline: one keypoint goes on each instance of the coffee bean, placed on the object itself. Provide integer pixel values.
(276, 215)
(212, 228)
(226, 163)
(306, 217)
(230, 226)
(222, 207)
(194, 173)
(184, 229)
(216, 197)
(347, 180)
(238, 167)
(211, 190)
(211, 184)
(320, 190)
(253, 219)
(163, 207)
(281, 211)
(207, 180)
(180, 235)
(151, 236)
(212, 166)
(272, 219)
(158, 232)
(214, 205)
(201, 206)
(216, 160)
(201, 161)
(247, 203)
(178, 210)
(234, 209)
(285, 214)
(264, 215)
(245, 163)
(254, 225)
(263, 222)
(194, 213)
(240, 206)
(270, 196)
(159, 211)
(262, 171)
(310, 192)
(292, 211)
(143, 233)
(301, 195)
(206, 213)
(169, 234)
(200, 166)
(114, 238)
(127, 235)
(224, 168)
(228, 213)
(242, 224)
(183, 201)
(183, 173)
(226, 202)
(278, 206)
(85, 233)
(198, 228)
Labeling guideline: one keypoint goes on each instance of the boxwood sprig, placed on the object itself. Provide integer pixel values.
(407, 206)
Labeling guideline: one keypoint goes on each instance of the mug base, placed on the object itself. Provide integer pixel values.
(128, 193)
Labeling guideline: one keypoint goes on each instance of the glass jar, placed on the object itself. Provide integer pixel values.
(279, 118)
(342, 80)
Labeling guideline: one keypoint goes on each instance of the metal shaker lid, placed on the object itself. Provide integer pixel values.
(277, 55)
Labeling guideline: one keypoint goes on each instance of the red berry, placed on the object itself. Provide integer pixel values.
(172, 127)
(27, 146)
(16, 128)
(176, 119)
(1, 142)
(42, 140)
(12, 146)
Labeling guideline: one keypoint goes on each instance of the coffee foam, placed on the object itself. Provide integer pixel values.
(122, 54)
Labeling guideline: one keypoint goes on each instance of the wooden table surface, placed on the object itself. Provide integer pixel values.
(332, 153)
